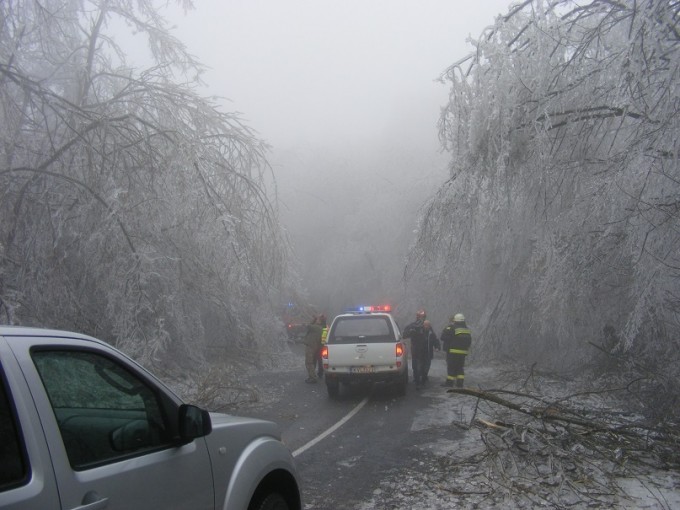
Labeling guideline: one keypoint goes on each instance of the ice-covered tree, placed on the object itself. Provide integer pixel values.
(131, 207)
(559, 224)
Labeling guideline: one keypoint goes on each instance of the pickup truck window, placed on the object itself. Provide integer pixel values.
(12, 462)
(103, 411)
(362, 329)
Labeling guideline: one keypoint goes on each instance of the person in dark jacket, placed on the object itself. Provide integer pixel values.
(312, 343)
(419, 353)
(456, 339)
(432, 344)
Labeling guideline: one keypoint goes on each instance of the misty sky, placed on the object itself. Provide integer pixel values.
(307, 70)
(345, 93)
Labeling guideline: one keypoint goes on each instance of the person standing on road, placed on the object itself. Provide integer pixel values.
(419, 353)
(432, 344)
(312, 341)
(456, 339)
(324, 335)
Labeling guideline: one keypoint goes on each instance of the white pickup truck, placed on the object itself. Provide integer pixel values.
(84, 427)
(365, 345)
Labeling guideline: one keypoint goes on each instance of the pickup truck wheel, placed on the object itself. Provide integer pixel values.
(272, 501)
(333, 387)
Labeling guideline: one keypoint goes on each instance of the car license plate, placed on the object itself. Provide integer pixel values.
(361, 370)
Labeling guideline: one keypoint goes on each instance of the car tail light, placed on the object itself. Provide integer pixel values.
(400, 350)
(324, 356)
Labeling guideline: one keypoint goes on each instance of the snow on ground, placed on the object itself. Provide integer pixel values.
(516, 466)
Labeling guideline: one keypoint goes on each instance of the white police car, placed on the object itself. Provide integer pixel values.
(365, 345)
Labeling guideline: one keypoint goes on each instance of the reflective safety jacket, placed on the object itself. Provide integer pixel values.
(324, 335)
(456, 338)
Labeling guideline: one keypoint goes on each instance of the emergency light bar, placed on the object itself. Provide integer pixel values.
(372, 309)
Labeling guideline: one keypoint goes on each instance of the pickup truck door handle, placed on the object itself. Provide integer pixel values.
(92, 501)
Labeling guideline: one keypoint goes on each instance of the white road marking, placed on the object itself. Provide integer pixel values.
(335, 427)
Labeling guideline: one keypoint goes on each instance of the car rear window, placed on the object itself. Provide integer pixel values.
(361, 329)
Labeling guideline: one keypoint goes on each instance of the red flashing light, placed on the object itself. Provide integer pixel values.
(382, 308)
(400, 350)
(324, 352)
(378, 308)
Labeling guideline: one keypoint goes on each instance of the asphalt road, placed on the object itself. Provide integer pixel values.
(346, 449)
(374, 450)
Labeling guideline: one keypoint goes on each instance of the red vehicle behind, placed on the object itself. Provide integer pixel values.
(296, 318)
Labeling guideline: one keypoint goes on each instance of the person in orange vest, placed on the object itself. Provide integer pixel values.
(456, 340)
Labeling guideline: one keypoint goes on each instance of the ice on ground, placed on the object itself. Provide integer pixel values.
(479, 467)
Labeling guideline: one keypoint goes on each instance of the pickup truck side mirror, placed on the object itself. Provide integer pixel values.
(193, 422)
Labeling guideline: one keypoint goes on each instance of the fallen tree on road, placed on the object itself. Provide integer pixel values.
(583, 448)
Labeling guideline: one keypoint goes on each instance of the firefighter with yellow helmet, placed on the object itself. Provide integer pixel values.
(456, 339)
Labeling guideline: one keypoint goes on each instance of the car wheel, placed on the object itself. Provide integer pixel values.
(272, 501)
(333, 387)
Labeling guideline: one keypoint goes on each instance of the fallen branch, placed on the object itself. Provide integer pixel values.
(491, 425)
(566, 449)
(543, 413)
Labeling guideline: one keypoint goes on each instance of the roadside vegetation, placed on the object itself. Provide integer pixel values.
(132, 208)
(557, 231)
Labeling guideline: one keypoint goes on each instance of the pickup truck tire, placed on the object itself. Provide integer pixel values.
(271, 501)
(333, 387)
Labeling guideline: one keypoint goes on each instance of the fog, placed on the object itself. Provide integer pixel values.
(327, 72)
(134, 210)
(347, 97)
